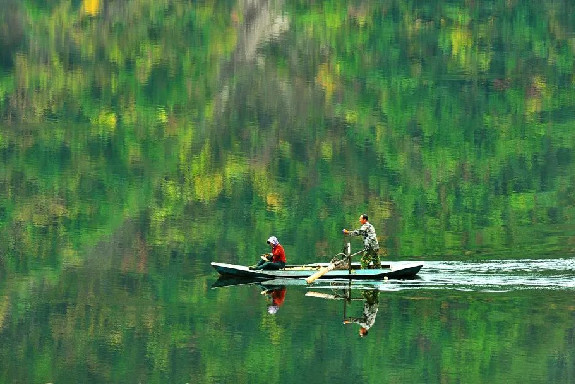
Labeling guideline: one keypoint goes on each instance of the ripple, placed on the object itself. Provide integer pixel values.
(493, 275)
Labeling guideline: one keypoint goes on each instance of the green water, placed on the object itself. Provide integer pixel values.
(141, 140)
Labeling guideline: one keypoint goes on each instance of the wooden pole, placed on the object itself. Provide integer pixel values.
(348, 254)
(320, 273)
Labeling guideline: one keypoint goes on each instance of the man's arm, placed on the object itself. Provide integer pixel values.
(362, 231)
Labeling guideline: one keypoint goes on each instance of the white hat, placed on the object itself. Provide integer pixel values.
(272, 309)
(273, 240)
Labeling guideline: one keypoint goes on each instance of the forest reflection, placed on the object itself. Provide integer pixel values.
(140, 140)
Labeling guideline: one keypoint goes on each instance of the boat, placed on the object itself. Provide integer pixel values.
(398, 270)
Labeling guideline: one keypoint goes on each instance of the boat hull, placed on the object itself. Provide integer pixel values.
(395, 271)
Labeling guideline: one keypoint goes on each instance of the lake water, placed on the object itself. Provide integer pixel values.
(457, 322)
(141, 140)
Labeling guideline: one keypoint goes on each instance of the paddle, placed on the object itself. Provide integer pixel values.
(322, 295)
(329, 296)
(322, 271)
(331, 266)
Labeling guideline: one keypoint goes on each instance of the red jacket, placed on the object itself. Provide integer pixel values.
(278, 254)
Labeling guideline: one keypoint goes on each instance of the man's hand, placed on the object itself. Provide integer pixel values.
(345, 231)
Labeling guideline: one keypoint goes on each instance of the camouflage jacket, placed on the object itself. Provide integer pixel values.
(369, 236)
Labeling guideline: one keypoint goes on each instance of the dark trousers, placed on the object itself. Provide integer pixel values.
(270, 265)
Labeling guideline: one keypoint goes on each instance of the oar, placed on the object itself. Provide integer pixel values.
(328, 296)
(322, 295)
(322, 271)
(346, 253)
(330, 267)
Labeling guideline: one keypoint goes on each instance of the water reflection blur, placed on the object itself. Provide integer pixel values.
(370, 308)
(370, 299)
(275, 291)
(275, 296)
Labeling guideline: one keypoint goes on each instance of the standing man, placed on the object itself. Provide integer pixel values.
(371, 246)
(274, 260)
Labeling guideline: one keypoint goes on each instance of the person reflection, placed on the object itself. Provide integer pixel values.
(275, 297)
(370, 308)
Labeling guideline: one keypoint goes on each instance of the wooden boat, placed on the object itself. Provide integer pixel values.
(399, 270)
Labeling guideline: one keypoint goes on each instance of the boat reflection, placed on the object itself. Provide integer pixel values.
(227, 281)
(345, 291)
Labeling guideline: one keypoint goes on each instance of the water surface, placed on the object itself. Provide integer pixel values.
(142, 140)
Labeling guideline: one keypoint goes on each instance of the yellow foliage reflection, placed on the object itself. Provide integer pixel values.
(208, 187)
(274, 202)
(4, 306)
(326, 79)
(461, 42)
(91, 7)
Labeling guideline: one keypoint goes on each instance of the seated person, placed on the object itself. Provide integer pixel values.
(274, 260)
